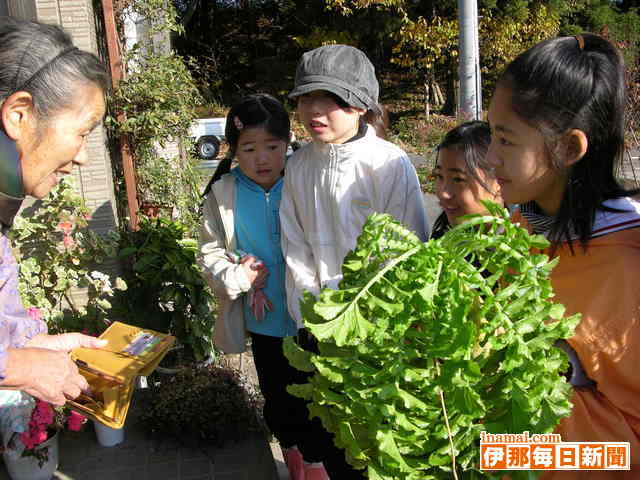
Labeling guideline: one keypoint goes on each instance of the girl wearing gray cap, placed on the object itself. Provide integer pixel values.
(335, 182)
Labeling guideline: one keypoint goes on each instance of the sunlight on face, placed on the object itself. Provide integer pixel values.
(520, 158)
(52, 153)
(325, 120)
(458, 191)
(261, 156)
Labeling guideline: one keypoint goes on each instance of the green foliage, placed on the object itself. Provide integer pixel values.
(602, 16)
(347, 7)
(325, 36)
(422, 135)
(158, 99)
(235, 45)
(202, 406)
(429, 44)
(426, 178)
(509, 33)
(154, 104)
(423, 44)
(257, 46)
(57, 254)
(166, 289)
(162, 12)
(171, 183)
(425, 345)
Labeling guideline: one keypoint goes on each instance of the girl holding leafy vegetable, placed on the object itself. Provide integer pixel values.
(557, 123)
(240, 214)
(334, 183)
(462, 177)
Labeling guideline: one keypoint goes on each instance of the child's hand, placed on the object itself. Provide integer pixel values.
(256, 271)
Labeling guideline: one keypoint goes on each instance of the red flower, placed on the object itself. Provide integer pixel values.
(44, 420)
(65, 227)
(75, 421)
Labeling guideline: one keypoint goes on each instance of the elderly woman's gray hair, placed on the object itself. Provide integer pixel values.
(41, 59)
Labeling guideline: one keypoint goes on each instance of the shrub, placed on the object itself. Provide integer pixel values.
(204, 405)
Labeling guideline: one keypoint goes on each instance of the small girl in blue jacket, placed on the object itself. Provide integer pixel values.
(242, 258)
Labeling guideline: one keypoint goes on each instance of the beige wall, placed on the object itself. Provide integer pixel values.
(25, 9)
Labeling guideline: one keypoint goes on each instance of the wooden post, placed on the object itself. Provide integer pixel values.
(115, 64)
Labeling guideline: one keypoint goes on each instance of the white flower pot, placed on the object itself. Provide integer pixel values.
(107, 436)
(27, 468)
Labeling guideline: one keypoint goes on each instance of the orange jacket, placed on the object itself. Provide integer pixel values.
(603, 284)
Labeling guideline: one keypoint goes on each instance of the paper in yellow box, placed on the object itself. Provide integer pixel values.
(112, 371)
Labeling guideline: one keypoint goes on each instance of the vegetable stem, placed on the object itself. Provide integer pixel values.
(446, 421)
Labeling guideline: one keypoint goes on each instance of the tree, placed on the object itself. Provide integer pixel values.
(426, 41)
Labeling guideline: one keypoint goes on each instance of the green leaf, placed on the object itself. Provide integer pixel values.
(299, 358)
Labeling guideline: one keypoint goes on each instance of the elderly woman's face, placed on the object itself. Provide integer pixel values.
(60, 141)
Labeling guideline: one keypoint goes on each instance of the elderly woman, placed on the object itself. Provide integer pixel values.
(51, 98)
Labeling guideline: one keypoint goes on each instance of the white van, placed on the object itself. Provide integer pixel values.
(208, 134)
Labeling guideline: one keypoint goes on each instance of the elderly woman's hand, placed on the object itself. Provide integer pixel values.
(46, 374)
(65, 342)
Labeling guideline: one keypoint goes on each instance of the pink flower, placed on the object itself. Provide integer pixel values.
(45, 420)
(34, 313)
(67, 241)
(75, 421)
(34, 436)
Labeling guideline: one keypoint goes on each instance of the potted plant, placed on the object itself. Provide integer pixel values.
(157, 101)
(159, 182)
(207, 405)
(166, 291)
(31, 451)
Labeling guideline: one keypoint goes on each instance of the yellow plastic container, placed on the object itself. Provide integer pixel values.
(112, 371)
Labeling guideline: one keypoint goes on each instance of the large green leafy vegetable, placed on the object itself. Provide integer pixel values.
(420, 352)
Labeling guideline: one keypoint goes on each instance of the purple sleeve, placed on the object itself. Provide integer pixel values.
(16, 326)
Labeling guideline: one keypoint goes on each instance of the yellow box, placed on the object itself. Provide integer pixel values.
(112, 371)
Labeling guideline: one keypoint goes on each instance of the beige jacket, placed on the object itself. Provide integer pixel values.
(227, 279)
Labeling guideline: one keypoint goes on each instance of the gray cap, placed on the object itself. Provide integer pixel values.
(339, 69)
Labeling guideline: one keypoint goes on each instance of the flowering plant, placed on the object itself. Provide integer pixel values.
(45, 421)
(61, 260)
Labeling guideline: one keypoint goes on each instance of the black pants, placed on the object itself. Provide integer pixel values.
(288, 417)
